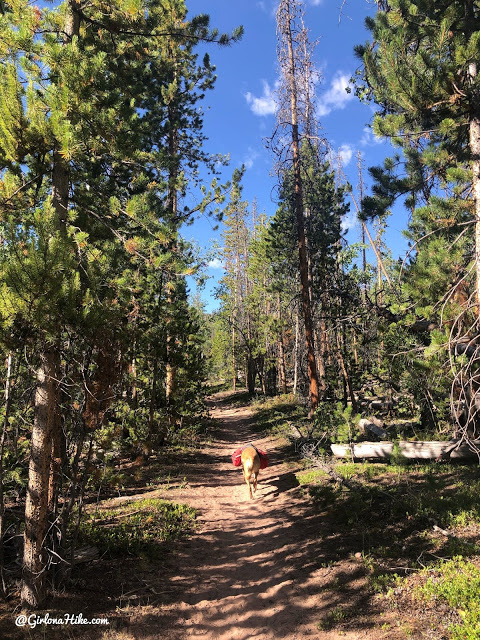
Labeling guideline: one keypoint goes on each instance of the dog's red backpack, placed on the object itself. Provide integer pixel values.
(263, 459)
(237, 457)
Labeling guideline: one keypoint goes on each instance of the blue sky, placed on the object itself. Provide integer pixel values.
(240, 111)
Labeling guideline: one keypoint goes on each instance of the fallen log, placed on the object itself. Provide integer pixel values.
(432, 450)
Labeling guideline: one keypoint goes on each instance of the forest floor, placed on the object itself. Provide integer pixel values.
(275, 567)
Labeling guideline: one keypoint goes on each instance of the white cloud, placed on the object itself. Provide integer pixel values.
(345, 153)
(215, 263)
(316, 3)
(369, 139)
(265, 105)
(337, 96)
(349, 221)
(250, 158)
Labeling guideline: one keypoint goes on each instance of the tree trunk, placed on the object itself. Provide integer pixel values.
(299, 215)
(170, 385)
(172, 208)
(45, 456)
(296, 352)
(251, 374)
(346, 378)
(234, 360)
(152, 407)
(320, 350)
(281, 349)
(33, 591)
(7, 404)
(475, 151)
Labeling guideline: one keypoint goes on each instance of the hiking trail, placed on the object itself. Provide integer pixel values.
(256, 568)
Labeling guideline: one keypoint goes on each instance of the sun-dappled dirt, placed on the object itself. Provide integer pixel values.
(268, 568)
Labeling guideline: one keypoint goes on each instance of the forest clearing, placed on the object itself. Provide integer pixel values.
(175, 284)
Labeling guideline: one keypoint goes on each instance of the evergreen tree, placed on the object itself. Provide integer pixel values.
(421, 68)
(235, 254)
(87, 115)
(324, 206)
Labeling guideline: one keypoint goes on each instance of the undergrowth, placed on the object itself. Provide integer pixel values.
(400, 519)
(406, 518)
(137, 527)
(277, 414)
(456, 582)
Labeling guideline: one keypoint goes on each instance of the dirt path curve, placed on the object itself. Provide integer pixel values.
(256, 568)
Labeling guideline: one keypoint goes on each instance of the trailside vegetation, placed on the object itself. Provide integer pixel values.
(100, 132)
(107, 358)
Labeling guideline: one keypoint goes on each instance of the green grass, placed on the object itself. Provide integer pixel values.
(310, 476)
(403, 504)
(392, 515)
(276, 415)
(138, 527)
(457, 583)
(336, 616)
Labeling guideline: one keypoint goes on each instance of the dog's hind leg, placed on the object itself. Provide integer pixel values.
(255, 478)
(248, 476)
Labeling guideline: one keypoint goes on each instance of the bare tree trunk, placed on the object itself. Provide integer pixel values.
(152, 407)
(7, 401)
(234, 361)
(170, 379)
(343, 368)
(320, 350)
(298, 205)
(296, 352)
(475, 151)
(33, 591)
(281, 349)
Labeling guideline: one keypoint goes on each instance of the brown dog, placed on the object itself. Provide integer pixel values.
(251, 467)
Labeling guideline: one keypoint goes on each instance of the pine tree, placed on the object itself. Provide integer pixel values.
(325, 206)
(235, 254)
(84, 190)
(421, 68)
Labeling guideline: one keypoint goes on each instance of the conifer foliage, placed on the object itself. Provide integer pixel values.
(100, 128)
(421, 68)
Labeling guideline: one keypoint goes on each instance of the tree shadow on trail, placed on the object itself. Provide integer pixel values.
(260, 568)
(269, 576)
(267, 568)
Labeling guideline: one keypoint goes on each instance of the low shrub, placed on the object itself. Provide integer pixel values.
(140, 526)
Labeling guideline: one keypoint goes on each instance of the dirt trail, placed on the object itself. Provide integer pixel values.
(272, 568)
(257, 568)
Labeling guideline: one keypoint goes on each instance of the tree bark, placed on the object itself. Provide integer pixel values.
(153, 403)
(296, 352)
(33, 591)
(7, 403)
(299, 215)
(474, 136)
(234, 359)
(281, 349)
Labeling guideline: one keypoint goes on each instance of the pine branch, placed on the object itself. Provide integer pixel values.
(209, 37)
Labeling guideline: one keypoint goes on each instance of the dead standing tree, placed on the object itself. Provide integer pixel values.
(294, 105)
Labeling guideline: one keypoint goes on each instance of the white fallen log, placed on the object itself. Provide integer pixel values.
(431, 450)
